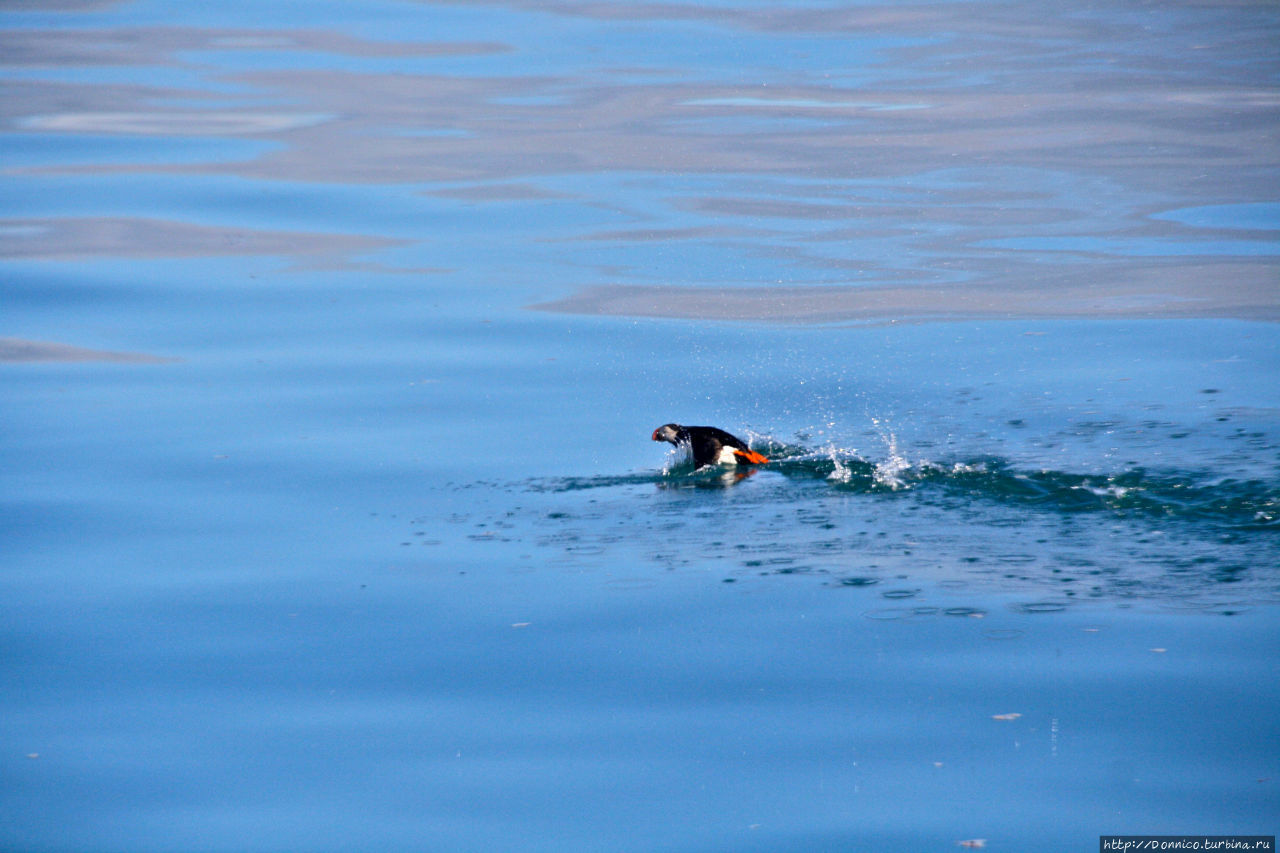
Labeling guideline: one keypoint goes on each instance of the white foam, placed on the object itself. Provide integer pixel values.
(841, 473)
(890, 472)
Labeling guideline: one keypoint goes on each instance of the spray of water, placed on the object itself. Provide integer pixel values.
(892, 471)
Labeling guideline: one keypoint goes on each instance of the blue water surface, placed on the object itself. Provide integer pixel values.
(330, 515)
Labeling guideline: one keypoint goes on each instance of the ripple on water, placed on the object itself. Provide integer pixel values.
(971, 612)
(858, 581)
(889, 614)
(1041, 607)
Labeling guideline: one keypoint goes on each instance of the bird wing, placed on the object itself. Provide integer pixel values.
(719, 435)
(707, 442)
(705, 445)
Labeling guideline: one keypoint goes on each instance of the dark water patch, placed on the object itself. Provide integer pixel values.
(787, 569)
(1137, 534)
(575, 484)
(1132, 492)
(1247, 505)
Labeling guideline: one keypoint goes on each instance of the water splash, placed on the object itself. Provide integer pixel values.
(679, 458)
(840, 472)
(892, 471)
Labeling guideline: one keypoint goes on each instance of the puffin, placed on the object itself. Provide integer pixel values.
(710, 445)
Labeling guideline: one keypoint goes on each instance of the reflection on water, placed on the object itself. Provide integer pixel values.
(17, 350)
(946, 156)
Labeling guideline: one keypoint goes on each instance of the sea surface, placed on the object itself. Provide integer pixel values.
(333, 335)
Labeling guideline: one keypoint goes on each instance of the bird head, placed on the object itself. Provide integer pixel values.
(667, 432)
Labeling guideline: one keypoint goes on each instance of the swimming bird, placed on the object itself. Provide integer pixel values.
(710, 445)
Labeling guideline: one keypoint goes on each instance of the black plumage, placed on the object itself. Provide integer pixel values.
(708, 444)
